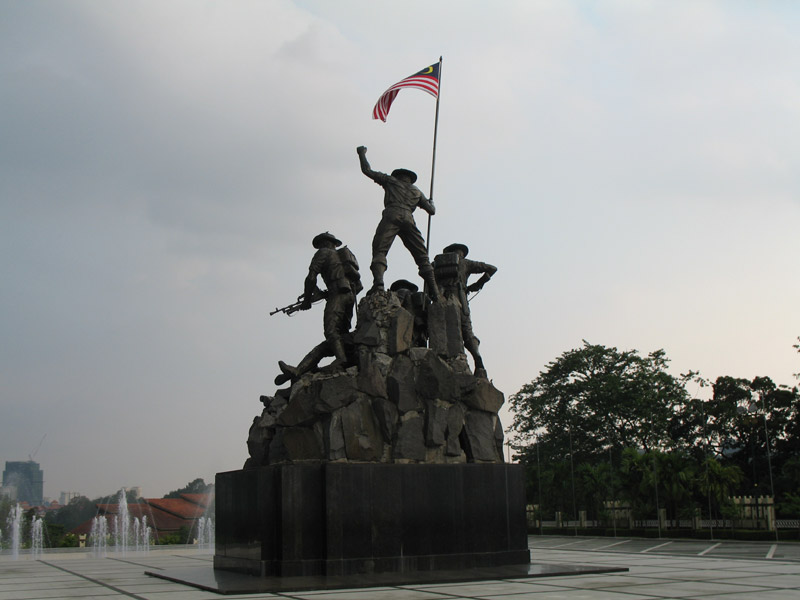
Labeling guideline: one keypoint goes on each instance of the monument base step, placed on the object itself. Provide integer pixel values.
(226, 582)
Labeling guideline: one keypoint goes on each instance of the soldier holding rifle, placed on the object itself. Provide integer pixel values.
(343, 282)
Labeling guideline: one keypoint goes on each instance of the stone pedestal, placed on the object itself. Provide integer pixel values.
(345, 518)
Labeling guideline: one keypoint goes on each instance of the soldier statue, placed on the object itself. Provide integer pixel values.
(453, 268)
(414, 301)
(339, 271)
(400, 199)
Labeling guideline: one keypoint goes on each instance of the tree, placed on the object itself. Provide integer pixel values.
(196, 486)
(594, 398)
(79, 510)
(717, 483)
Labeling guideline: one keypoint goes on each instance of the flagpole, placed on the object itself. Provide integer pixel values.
(433, 159)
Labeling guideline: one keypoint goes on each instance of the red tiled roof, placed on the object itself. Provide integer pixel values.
(202, 499)
(164, 515)
(179, 507)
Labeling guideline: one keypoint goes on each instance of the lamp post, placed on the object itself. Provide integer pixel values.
(572, 477)
(752, 409)
(708, 476)
(539, 476)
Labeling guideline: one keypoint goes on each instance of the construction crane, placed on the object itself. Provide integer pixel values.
(30, 456)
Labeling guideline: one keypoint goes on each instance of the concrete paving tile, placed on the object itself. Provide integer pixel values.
(596, 582)
(682, 547)
(42, 579)
(703, 575)
(682, 589)
(35, 584)
(573, 594)
(768, 595)
(143, 587)
(773, 581)
(782, 568)
(39, 594)
(656, 574)
(656, 571)
(323, 592)
(485, 588)
(371, 594)
(182, 592)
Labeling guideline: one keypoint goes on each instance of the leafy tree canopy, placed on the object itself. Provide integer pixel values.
(602, 398)
(197, 486)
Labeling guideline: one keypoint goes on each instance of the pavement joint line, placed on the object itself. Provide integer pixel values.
(567, 544)
(771, 552)
(678, 554)
(611, 545)
(322, 594)
(646, 550)
(192, 558)
(709, 549)
(95, 581)
(136, 564)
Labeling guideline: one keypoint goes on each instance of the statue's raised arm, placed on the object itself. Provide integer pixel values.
(400, 199)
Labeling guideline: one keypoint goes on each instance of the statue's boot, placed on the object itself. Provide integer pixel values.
(338, 351)
(309, 361)
(288, 373)
(472, 346)
(378, 269)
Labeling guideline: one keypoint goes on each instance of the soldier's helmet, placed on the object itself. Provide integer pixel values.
(325, 237)
(410, 174)
(403, 284)
(457, 248)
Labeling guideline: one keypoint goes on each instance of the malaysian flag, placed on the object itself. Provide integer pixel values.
(426, 80)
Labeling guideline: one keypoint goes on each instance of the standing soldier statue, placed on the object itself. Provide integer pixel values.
(453, 268)
(400, 199)
(339, 271)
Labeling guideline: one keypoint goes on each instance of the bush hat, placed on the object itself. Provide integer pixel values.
(406, 172)
(329, 237)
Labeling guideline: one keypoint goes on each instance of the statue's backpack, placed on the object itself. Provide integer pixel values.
(446, 269)
(350, 266)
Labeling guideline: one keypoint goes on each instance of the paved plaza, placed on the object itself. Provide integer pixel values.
(657, 569)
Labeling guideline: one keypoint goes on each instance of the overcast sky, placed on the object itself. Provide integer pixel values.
(632, 168)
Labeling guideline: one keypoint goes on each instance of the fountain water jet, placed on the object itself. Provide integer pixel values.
(15, 524)
(37, 538)
(205, 534)
(129, 533)
(99, 537)
(122, 525)
(142, 535)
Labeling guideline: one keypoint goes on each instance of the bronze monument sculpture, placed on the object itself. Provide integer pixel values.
(400, 199)
(390, 459)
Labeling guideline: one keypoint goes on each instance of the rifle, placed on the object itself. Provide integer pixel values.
(292, 308)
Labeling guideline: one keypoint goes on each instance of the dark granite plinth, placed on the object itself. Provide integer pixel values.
(225, 582)
(339, 519)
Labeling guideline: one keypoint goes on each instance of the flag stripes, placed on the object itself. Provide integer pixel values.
(426, 80)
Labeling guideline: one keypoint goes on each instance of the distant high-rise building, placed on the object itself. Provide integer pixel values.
(27, 478)
(65, 497)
